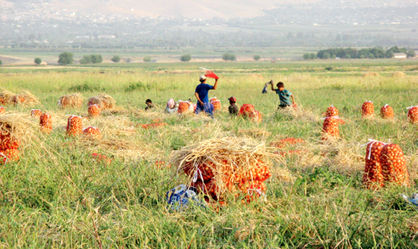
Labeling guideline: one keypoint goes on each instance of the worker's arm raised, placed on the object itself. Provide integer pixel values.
(216, 84)
(271, 84)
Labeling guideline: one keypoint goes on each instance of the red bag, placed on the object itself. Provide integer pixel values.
(211, 74)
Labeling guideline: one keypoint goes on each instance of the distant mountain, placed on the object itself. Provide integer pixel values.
(182, 8)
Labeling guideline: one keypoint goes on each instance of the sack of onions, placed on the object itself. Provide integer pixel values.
(373, 175)
(394, 165)
(9, 155)
(367, 109)
(91, 131)
(45, 121)
(93, 110)
(2, 109)
(413, 114)
(184, 107)
(74, 125)
(332, 111)
(386, 112)
(330, 127)
(216, 103)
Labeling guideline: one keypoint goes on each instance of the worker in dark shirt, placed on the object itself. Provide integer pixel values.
(202, 96)
(233, 108)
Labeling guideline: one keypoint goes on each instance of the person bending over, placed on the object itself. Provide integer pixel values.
(286, 97)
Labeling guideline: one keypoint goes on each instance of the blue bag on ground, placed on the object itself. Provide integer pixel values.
(181, 196)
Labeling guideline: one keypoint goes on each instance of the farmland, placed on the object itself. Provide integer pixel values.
(58, 196)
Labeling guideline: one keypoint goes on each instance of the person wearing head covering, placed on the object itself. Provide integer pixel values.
(202, 96)
(233, 108)
(171, 106)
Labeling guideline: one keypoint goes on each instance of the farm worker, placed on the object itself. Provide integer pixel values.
(286, 97)
(201, 93)
(233, 108)
(149, 104)
(171, 106)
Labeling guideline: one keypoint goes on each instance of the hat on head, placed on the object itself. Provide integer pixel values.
(232, 99)
(202, 77)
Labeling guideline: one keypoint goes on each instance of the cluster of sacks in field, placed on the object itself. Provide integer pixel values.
(247, 111)
(9, 142)
(332, 120)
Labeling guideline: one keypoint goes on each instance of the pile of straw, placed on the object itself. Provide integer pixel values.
(398, 74)
(229, 165)
(103, 101)
(6, 97)
(18, 127)
(71, 101)
(25, 98)
(371, 74)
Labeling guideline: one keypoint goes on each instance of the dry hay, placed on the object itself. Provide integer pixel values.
(20, 127)
(300, 113)
(25, 98)
(371, 74)
(398, 74)
(104, 101)
(255, 133)
(6, 97)
(71, 101)
(227, 165)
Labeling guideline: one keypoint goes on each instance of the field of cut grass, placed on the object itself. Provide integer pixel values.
(58, 196)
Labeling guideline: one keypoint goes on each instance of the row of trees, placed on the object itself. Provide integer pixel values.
(67, 58)
(352, 53)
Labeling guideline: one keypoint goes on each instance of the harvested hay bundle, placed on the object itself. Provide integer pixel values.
(398, 75)
(71, 101)
(45, 121)
(74, 125)
(2, 109)
(25, 98)
(15, 130)
(255, 132)
(6, 97)
(93, 110)
(300, 113)
(91, 131)
(35, 113)
(371, 74)
(367, 109)
(104, 101)
(413, 114)
(227, 165)
(386, 112)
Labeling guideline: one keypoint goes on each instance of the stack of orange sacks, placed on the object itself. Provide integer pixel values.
(248, 111)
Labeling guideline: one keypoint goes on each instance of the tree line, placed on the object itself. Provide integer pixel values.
(364, 53)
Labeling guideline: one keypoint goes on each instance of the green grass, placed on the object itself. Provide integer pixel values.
(57, 196)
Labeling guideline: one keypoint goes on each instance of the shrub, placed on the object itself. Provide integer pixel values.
(185, 58)
(229, 57)
(116, 58)
(93, 58)
(147, 59)
(136, 86)
(257, 57)
(38, 61)
(65, 58)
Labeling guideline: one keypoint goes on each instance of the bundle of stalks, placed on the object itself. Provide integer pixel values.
(300, 113)
(6, 97)
(25, 98)
(398, 74)
(15, 131)
(71, 101)
(104, 101)
(254, 132)
(228, 165)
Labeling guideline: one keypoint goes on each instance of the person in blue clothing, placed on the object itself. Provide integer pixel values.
(286, 97)
(202, 96)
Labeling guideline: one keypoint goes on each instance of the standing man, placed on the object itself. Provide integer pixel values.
(201, 93)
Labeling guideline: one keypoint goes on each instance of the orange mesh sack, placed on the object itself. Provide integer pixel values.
(91, 131)
(394, 165)
(35, 113)
(330, 127)
(93, 110)
(256, 116)
(10, 155)
(413, 114)
(387, 112)
(367, 109)
(331, 111)
(373, 176)
(45, 121)
(216, 103)
(184, 107)
(246, 109)
(2, 109)
(74, 125)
